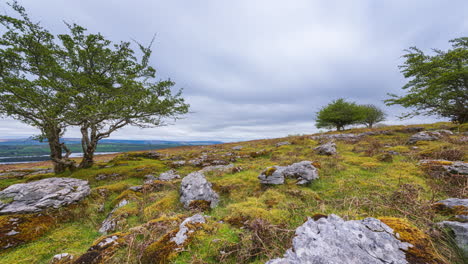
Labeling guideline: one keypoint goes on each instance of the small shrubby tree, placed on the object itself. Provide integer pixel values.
(339, 114)
(78, 79)
(438, 83)
(371, 115)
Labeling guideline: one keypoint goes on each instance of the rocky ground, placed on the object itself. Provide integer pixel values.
(389, 195)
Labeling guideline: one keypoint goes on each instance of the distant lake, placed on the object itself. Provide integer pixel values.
(30, 159)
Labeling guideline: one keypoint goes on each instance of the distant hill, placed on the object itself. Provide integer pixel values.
(24, 150)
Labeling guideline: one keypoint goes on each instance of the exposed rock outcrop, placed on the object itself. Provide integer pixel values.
(429, 136)
(39, 195)
(110, 223)
(449, 167)
(328, 148)
(333, 240)
(223, 168)
(304, 172)
(283, 143)
(195, 187)
(182, 235)
(454, 202)
(237, 148)
(169, 175)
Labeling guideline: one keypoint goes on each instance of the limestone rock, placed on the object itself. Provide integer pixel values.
(223, 168)
(62, 258)
(333, 240)
(452, 202)
(303, 171)
(169, 175)
(237, 148)
(184, 230)
(39, 195)
(425, 136)
(326, 149)
(149, 178)
(195, 187)
(110, 223)
(450, 167)
(272, 175)
(283, 143)
(337, 136)
(460, 231)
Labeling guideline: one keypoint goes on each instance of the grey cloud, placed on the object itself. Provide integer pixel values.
(254, 69)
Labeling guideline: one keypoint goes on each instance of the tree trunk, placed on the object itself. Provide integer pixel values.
(56, 152)
(89, 141)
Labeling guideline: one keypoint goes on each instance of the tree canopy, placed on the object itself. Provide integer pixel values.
(78, 79)
(339, 113)
(371, 115)
(438, 83)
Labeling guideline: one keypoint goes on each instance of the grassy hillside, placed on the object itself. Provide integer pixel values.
(254, 223)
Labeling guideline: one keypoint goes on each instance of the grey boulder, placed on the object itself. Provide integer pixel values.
(284, 143)
(39, 195)
(195, 187)
(332, 240)
(303, 171)
(168, 175)
(328, 148)
(110, 223)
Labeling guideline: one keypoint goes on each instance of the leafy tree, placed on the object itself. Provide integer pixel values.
(339, 114)
(113, 88)
(32, 89)
(371, 115)
(78, 79)
(438, 83)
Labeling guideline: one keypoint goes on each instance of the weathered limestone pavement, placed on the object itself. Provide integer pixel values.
(328, 148)
(333, 240)
(36, 196)
(303, 171)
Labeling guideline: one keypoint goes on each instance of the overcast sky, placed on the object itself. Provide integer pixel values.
(260, 69)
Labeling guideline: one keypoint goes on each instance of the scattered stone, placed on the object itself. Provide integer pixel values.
(279, 144)
(169, 175)
(137, 188)
(110, 223)
(336, 136)
(178, 163)
(454, 202)
(62, 258)
(460, 231)
(237, 148)
(333, 240)
(103, 176)
(303, 171)
(450, 167)
(39, 195)
(195, 187)
(224, 168)
(149, 178)
(184, 230)
(425, 136)
(328, 148)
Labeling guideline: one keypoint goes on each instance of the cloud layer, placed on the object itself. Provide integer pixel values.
(256, 69)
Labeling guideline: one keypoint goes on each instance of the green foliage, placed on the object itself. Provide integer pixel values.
(79, 79)
(339, 114)
(438, 83)
(372, 115)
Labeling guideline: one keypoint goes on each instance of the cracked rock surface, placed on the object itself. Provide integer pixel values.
(328, 148)
(184, 230)
(333, 240)
(303, 171)
(39, 195)
(195, 187)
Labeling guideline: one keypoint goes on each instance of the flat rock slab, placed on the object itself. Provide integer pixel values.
(452, 202)
(39, 195)
(169, 175)
(195, 187)
(429, 136)
(303, 171)
(326, 149)
(333, 240)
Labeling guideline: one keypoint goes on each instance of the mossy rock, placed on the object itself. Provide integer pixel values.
(20, 229)
(422, 250)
